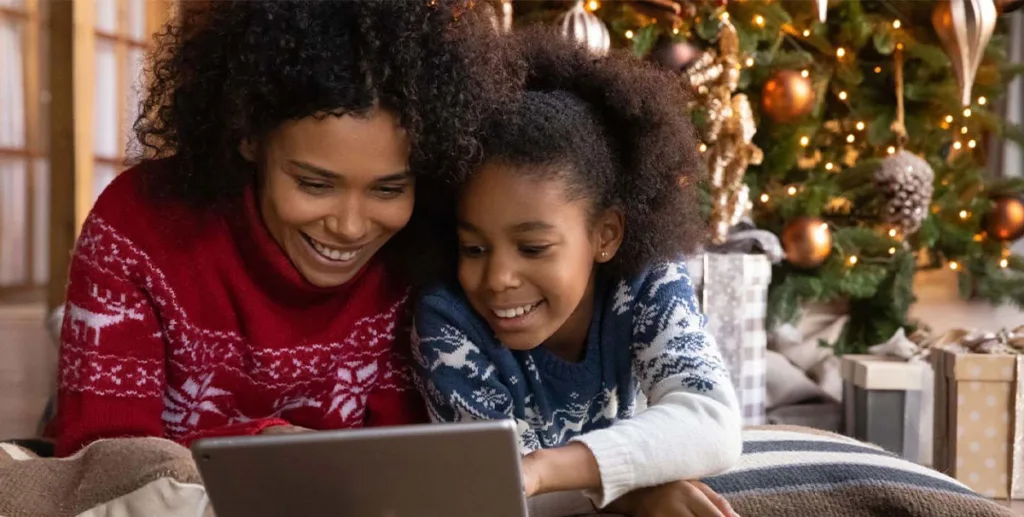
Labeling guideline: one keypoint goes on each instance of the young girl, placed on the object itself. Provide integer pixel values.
(572, 293)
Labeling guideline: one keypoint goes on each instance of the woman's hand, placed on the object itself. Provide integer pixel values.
(569, 467)
(679, 499)
(284, 429)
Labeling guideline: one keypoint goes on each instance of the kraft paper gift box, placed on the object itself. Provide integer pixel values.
(735, 299)
(979, 420)
(887, 402)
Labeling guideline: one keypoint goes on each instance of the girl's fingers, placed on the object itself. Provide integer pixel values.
(716, 499)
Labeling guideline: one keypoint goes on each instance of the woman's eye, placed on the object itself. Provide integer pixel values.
(470, 251)
(534, 250)
(315, 187)
(391, 191)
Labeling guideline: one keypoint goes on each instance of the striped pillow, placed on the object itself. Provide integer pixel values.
(790, 471)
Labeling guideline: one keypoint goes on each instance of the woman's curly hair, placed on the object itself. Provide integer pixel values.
(615, 129)
(237, 70)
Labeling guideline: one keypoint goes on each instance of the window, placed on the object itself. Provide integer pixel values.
(24, 174)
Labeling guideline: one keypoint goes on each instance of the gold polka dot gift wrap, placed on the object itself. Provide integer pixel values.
(979, 420)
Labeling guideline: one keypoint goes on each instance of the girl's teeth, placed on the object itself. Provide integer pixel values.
(516, 312)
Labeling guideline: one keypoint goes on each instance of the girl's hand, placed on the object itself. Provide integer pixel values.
(679, 499)
(531, 475)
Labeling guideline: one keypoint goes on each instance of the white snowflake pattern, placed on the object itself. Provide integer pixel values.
(490, 398)
(185, 406)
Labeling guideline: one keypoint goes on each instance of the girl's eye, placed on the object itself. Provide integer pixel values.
(470, 251)
(314, 187)
(390, 191)
(534, 250)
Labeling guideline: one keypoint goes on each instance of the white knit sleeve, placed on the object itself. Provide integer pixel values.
(691, 428)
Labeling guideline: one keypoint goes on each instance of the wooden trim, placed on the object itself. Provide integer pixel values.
(32, 88)
(120, 73)
(84, 86)
(14, 13)
(120, 39)
(112, 162)
(12, 152)
(63, 148)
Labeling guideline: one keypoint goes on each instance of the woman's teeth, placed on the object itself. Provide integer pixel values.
(516, 312)
(333, 254)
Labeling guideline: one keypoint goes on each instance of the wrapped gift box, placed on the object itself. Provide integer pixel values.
(979, 420)
(886, 401)
(735, 299)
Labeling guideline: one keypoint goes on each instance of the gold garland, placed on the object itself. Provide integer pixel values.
(729, 134)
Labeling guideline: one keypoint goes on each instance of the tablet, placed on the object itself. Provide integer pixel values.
(442, 470)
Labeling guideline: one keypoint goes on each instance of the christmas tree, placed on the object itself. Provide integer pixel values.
(843, 127)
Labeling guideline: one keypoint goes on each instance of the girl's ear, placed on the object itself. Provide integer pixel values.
(247, 148)
(608, 233)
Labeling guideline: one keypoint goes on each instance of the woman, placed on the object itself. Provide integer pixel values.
(246, 277)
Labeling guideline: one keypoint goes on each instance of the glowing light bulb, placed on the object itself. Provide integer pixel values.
(949, 119)
(750, 61)
(807, 33)
(629, 34)
(972, 144)
(892, 232)
(891, 150)
(967, 112)
(759, 20)
(964, 214)
(963, 130)
(791, 191)
(954, 265)
(593, 5)
(896, 24)
(703, 147)
(1003, 263)
(764, 198)
(957, 146)
(892, 251)
(853, 260)
(860, 126)
(805, 73)
(675, 31)
(829, 166)
(850, 138)
(840, 52)
(982, 101)
(805, 141)
(878, 69)
(843, 95)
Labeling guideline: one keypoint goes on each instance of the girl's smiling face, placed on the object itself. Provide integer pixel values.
(528, 255)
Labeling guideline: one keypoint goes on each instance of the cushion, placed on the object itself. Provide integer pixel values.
(790, 471)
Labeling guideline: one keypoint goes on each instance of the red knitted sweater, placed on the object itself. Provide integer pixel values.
(186, 323)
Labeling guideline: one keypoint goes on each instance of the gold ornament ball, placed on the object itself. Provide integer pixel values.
(787, 96)
(1006, 220)
(807, 241)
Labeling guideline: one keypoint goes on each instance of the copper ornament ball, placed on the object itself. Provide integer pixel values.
(807, 242)
(1006, 220)
(787, 96)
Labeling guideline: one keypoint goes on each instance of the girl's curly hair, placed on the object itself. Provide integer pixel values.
(236, 70)
(616, 130)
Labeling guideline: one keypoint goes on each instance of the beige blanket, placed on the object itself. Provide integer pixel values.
(109, 478)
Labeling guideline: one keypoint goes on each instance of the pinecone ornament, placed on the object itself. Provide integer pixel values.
(905, 179)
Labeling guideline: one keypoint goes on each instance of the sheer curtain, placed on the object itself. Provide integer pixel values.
(13, 168)
(1007, 158)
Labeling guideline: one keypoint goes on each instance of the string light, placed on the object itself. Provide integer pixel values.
(954, 265)
(972, 144)
(593, 5)
(805, 141)
(853, 260)
(964, 214)
(892, 232)
(805, 73)
(967, 112)
(791, 191)
(675, 30)
(725, 16)
(949, 119)
(892, 251)
(759, 20)
(899, 46)
(750, 61)
(703, 147)
(878, 69)
(829, 166)
(1003, 263)
(764, 198)
(957, 145)
(843, 95)
(978, 237)
(850, 138)
(860, 126)
(963, 130)
(629, 34)
(896, 24)
(891, 150)
(807, 33)
(840, 52)
(982, 101)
